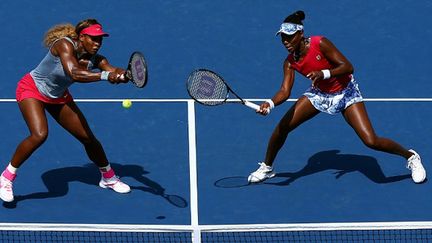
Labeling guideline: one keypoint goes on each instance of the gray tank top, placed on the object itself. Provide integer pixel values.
(49, 76)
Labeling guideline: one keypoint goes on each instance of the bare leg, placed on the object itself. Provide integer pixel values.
(70, 118)
(300, 112)
(34, 115)
(357, 118)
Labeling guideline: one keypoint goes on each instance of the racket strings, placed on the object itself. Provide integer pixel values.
(207, 88)
(138, 70)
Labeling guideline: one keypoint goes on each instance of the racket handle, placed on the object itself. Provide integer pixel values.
(128, 74)
(251, 105)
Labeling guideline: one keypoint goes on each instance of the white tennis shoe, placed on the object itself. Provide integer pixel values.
(6, 192)
(114, 183)
(261, 174)
(418, 173)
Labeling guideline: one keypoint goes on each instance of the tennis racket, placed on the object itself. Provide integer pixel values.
(137, 71)
(208, 88)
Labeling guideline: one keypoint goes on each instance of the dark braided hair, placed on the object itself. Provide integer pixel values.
(295, 18)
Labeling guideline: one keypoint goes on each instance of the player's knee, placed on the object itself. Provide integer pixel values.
(39, 136)
(282, 130)
(371, 142)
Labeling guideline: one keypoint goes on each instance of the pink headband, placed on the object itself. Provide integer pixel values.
(94, 30)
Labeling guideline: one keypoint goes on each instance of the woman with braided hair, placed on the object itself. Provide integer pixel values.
(333, 90)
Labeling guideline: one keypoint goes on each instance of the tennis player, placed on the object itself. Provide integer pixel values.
(72, 56)
(333, 91)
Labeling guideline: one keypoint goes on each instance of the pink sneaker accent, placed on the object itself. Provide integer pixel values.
(114, 183)
(6, 192)
(9, 175)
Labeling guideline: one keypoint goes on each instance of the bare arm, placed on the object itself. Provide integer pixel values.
(65, 50)
(288, 81)
(334, 56)
(285, 90)
(103, 64)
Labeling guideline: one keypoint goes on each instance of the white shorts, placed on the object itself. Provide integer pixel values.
(333, 103)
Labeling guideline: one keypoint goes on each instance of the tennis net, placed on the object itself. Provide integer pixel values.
(92, 233)
(322, 232)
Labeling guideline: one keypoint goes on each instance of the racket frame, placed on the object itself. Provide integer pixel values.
(229, 90)
(129, 73)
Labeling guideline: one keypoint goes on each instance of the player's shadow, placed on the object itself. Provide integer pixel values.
(57, 183)
(331, 160)
(342, 164)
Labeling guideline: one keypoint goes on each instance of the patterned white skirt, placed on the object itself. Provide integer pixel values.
(333, 103)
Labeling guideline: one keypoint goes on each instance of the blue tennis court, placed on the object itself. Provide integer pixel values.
(188, 164)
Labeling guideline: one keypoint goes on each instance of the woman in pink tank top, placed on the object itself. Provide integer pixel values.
(75, 47)
(333, 91)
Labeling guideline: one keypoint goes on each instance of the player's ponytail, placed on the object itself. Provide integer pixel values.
(296, 18)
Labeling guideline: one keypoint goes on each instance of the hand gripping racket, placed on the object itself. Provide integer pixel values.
(208, 88)
(136, 71)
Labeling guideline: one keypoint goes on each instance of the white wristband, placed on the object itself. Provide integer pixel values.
(271, 103)
(326, 73)
(104, 75)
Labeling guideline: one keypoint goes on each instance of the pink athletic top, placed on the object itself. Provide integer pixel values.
(315, 61)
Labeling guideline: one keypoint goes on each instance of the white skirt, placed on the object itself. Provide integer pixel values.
(333, 103)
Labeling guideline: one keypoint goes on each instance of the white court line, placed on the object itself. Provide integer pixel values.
(94, 227)
(365, 99)
(319, 226)
(193, 173)
(229, 100)
(395, 225)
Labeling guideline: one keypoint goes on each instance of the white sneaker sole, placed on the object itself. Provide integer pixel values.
(253, 179)
(7, 199)
(421, 180)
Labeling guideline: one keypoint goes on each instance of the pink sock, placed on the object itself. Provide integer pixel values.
(8, 175)
(108, 174)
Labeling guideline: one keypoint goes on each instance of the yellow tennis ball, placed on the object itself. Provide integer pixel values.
(127, 104)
